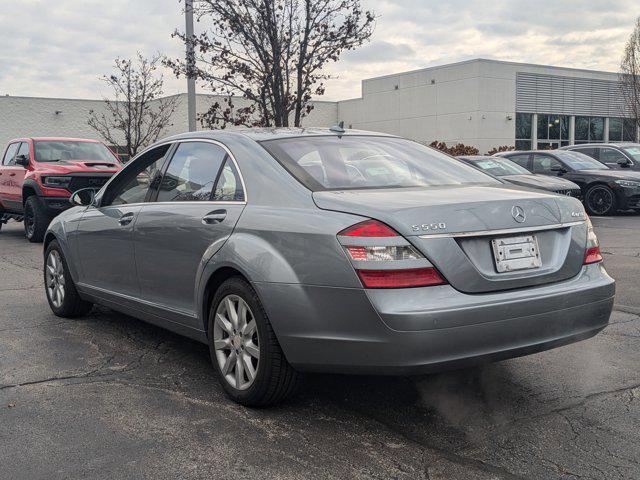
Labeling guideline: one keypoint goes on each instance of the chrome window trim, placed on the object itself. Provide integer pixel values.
(505, 231)
(170, 142)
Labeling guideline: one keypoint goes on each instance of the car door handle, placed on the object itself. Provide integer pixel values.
(12, 174)
(126, 219)
(216, 216)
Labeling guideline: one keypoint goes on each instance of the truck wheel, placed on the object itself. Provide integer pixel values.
(246, 355)
(36, 220)
(62, 295)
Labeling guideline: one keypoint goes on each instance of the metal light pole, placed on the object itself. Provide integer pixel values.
(191, 82)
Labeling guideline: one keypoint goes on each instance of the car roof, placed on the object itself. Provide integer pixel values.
(55, 139)
(474, 157)
(263, 134)
(601, 144)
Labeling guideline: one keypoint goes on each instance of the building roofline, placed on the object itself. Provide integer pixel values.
(490, 60)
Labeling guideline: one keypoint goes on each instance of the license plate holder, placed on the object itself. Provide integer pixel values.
(516, 253)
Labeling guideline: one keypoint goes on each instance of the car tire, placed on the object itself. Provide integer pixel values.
(35, 220)
(600, 200)
(274, 379)
(60, 290)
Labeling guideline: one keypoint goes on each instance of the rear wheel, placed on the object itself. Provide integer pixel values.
(62, 295)
(600, 200)
(245, 352)
(36, 220)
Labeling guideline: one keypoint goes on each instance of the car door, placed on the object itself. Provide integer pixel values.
(16, 173)
(197, 206)
(7, 178)
(104, 235)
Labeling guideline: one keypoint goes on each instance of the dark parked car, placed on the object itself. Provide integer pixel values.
(327, 250)
(624, 155)
(604, 190)
(511, 172)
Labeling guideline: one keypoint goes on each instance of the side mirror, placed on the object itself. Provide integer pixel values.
(83, 197)
(558, 169)
(624, 163)
(22, 160)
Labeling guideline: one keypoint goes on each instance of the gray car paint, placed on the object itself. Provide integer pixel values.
(285, 243)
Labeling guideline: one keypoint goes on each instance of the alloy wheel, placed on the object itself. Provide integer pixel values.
(236, 343)
(600, 200)
(54, 277)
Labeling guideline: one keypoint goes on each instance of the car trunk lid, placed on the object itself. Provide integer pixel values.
(454, 227)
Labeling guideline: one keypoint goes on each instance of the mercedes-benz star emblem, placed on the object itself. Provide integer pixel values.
(517, 212)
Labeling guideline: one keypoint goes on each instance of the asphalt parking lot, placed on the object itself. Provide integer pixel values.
(108, 396)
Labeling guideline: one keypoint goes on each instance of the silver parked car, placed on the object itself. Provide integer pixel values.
(323, 250)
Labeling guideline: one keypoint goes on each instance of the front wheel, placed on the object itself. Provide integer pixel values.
(600, 200)
(245, 352)
(62, 295)
(36, 220)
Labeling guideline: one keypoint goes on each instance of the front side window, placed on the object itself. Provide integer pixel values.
(133, 183)
(546, 164)
(357, 162)
(192, 173)
(60, 150)
(9, 156)
(611, 155)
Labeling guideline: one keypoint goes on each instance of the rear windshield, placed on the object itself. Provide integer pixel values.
(579, 161)
(356, 162)
(54, 151)
(500, 167)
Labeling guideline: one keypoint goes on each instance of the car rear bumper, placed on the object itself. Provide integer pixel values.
(414, 331)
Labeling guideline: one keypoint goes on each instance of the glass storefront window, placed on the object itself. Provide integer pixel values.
(615, 129)
(523, 131)
(596, 129)
(629, 129)
(553, 127)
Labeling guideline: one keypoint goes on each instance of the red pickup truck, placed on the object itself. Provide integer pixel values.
(37, 176)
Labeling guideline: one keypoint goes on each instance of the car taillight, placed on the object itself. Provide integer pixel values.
(592, 251)
(374, 261)
(369, 228)
(405, 278)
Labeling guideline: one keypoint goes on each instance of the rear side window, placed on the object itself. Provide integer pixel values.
(357, 162)
(229, 187)
(522, 160)
(192, 173)
(10, 154)
(592, 152)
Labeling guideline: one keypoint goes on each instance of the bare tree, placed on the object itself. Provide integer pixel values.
(630, 76)
(272, 53)
(137, 113)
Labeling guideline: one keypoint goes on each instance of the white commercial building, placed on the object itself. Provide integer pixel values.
(482, 103)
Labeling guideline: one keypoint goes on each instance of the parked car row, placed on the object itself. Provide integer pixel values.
(38, 175)
(606, 177)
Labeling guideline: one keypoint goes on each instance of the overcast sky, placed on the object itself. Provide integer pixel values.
(59, 48)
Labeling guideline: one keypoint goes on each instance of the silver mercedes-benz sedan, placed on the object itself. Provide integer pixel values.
(295, 250)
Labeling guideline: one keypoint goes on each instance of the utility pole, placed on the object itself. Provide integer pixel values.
(191, 81)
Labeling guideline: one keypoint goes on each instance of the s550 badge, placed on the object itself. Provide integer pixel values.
(426, 227)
